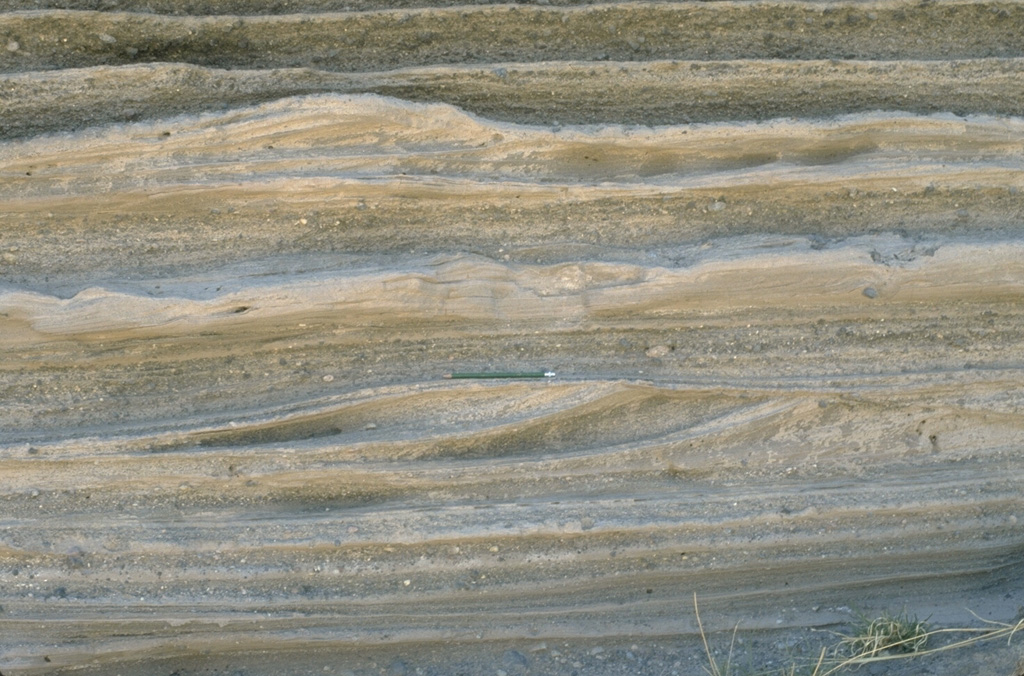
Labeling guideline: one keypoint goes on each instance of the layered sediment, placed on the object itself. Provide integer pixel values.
(773, 252)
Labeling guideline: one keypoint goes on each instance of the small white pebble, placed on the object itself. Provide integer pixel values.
(13, 46)
(658, 351)
(407, 582)
(328, 378)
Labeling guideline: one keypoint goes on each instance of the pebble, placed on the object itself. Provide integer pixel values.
(515, 659)
(107, 38)
(328, 378)
(658, 351)
(870, 292)
(13, 46)
(397, 668)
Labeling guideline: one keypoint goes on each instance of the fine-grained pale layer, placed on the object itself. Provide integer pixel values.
(581, 294)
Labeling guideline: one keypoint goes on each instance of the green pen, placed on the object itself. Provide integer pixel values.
(500, 374)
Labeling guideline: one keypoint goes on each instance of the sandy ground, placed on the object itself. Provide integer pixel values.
(773, 252)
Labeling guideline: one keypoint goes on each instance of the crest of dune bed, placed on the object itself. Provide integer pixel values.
(774, 252)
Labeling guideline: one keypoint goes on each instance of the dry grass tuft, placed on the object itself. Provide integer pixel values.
(888, 637)
(889, 632)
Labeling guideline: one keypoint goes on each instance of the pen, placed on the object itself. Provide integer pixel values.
(501, 374)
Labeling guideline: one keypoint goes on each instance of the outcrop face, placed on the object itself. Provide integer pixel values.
(773, 252)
